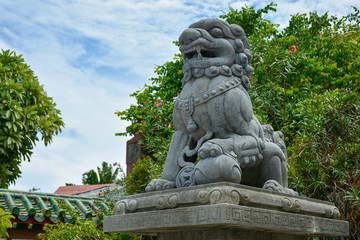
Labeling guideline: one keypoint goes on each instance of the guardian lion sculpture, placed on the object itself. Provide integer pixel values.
(217, 137)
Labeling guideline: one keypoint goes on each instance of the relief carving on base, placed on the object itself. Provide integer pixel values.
(290, 204)
(125, 206)
(167, 201)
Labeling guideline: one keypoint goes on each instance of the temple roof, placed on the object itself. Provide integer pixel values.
(77, 189)
(43, 208)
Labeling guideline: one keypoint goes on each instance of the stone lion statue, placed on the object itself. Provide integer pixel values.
(217, 137)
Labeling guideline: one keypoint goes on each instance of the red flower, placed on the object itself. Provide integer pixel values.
(115, 163)
(292, 49)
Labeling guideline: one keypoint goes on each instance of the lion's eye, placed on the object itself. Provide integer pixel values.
(216, 32)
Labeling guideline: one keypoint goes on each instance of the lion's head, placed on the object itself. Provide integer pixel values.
(211, 47)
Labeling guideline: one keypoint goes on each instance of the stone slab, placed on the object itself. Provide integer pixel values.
(224, 215)
(228, 206)
(225, 193)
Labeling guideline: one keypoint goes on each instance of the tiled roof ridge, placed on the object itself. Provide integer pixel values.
(76, 189)
(20, 192)
(103, 184)
(40, 208)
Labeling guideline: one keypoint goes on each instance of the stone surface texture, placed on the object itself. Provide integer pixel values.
(213, 117)
(227, 210)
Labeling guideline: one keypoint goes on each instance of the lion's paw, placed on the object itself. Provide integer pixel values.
(251, 161)
(159, 184)
(215, 148)
(274, 186)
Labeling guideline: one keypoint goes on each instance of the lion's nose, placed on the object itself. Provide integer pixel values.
(189, 35)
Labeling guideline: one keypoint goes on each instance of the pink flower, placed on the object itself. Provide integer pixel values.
(158, 99)
(156, 116)
(292, 49)
(142, 121)
(158, 104)
(114, 164)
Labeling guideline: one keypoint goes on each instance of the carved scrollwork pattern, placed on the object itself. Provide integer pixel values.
(332, 212)
(238, 197)
(290, 204)
(125, 206)
(214, 196)
(167, 201)
(235, 196)
(202, 197)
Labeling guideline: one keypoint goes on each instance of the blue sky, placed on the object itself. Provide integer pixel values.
(90, 55)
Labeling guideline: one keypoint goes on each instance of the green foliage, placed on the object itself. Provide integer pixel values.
(144, 171)
(26, 112)
(325, 157)
(90, 177)
(152, 119)
(251, 21)
(105, 174)
(5, 223)
(79, 229)
(34, 189)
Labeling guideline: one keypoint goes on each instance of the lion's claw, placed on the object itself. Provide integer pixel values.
(159, 184)
(250, 161)
(210, 149)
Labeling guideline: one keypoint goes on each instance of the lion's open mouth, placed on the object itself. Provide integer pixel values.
(198, 52)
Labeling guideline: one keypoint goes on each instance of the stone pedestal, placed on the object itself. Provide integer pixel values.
(225, 211)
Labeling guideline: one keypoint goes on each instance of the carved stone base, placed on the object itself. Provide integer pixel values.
(225, 211)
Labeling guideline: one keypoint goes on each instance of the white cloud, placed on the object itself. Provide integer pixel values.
(90, 55)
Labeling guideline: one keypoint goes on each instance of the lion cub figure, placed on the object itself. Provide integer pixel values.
(213, 117)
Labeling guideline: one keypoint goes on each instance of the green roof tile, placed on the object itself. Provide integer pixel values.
(43, 207)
